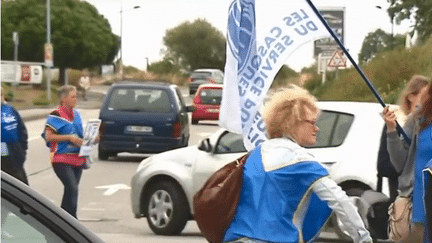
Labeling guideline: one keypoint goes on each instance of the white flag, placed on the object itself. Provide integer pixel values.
(261, 35)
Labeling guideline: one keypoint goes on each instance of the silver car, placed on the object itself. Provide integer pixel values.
(204, 76)
(164, 184)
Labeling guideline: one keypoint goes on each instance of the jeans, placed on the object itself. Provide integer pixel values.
(6, 166)
(70, 176)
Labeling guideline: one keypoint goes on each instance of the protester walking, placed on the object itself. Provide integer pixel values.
(410, 160)
(63, 133)
(408, 101)
(84, 83)
(287, 196)
(14, 142)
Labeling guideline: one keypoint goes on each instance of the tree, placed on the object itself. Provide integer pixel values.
(195, 45)
(374, 43)
(81, 37)
(379, 41)
(421, 10)
(163, 67)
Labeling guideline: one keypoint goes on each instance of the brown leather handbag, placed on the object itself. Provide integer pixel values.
(216, 202)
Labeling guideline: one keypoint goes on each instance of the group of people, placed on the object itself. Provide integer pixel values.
(410, 159)
(286, 196)
(63, 133)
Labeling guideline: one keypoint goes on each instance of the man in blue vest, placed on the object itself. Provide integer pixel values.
(13, 141)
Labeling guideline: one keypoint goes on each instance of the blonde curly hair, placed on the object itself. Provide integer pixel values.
(286, 109)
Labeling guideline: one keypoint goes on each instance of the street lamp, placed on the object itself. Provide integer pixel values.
(121, 36)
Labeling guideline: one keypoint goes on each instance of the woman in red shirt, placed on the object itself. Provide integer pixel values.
(64, 133)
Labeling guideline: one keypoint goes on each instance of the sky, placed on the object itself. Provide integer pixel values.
(143, 28)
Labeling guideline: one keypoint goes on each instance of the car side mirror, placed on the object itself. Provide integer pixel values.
(205, 145)
(190, 108)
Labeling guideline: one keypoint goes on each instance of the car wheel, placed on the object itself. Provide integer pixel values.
(102, 154)
(194, 121)
(354, 194)
(167, 209)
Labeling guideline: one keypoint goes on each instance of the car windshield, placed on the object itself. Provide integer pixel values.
(200, 75)
(211, 96)
(140, 99)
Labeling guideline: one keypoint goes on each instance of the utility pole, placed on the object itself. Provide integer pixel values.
(48, 46)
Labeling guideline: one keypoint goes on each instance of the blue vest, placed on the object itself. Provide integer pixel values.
(423, 155)
(62, 126)
(279, 205)
(427, 175)
(9, 124)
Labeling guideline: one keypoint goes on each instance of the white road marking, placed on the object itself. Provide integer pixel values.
(111, 189)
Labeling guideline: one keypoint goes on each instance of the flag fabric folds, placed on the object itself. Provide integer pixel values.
(261, 35)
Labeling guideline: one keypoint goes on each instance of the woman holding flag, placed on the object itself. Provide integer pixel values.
(287, 196)
(411, 160)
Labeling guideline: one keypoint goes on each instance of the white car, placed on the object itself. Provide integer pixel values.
(348, 142)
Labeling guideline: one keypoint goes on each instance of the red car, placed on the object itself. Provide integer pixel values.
(207, 103)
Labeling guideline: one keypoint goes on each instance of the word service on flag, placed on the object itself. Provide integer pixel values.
(261, 35)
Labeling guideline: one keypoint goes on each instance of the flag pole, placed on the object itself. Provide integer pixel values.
(359, 70)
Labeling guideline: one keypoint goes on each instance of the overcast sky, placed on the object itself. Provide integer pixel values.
(145, 27)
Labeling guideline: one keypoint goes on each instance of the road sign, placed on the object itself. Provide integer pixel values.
(337, 60)
(335, 18)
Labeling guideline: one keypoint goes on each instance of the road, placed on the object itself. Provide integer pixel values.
(104, 202)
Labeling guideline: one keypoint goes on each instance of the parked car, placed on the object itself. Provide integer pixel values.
(143, 117)
(204, 76)
(27, 216)
(348, 141)
(206, 103)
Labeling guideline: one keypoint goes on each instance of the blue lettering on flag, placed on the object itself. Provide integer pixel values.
(241, 30)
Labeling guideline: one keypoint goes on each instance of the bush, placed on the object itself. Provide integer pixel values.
(42, 99)
(9, 95)
(388, 72)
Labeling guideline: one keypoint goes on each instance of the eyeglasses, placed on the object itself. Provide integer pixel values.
(313, 122)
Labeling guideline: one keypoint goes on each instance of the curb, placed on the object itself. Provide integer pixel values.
(94, 101)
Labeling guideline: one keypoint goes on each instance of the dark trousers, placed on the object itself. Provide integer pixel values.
(6, 166)
(70, 176)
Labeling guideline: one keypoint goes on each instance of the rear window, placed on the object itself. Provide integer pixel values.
(200, 75)
(140, 99)
(211, 96)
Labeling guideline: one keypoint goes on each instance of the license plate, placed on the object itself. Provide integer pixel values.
(213, 110)
(139, 129)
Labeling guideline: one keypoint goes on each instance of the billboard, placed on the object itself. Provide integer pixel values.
(335, 18)
(24, 73)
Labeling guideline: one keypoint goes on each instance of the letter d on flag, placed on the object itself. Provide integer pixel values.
(261, 35)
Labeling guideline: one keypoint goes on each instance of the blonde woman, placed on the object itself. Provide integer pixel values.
(287, 196)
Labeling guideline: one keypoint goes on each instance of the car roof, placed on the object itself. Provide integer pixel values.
(140, 83)
(350, 106)
(210, 86)
(207, 70)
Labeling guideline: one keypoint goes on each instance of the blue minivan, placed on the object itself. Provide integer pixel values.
(143, 117)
